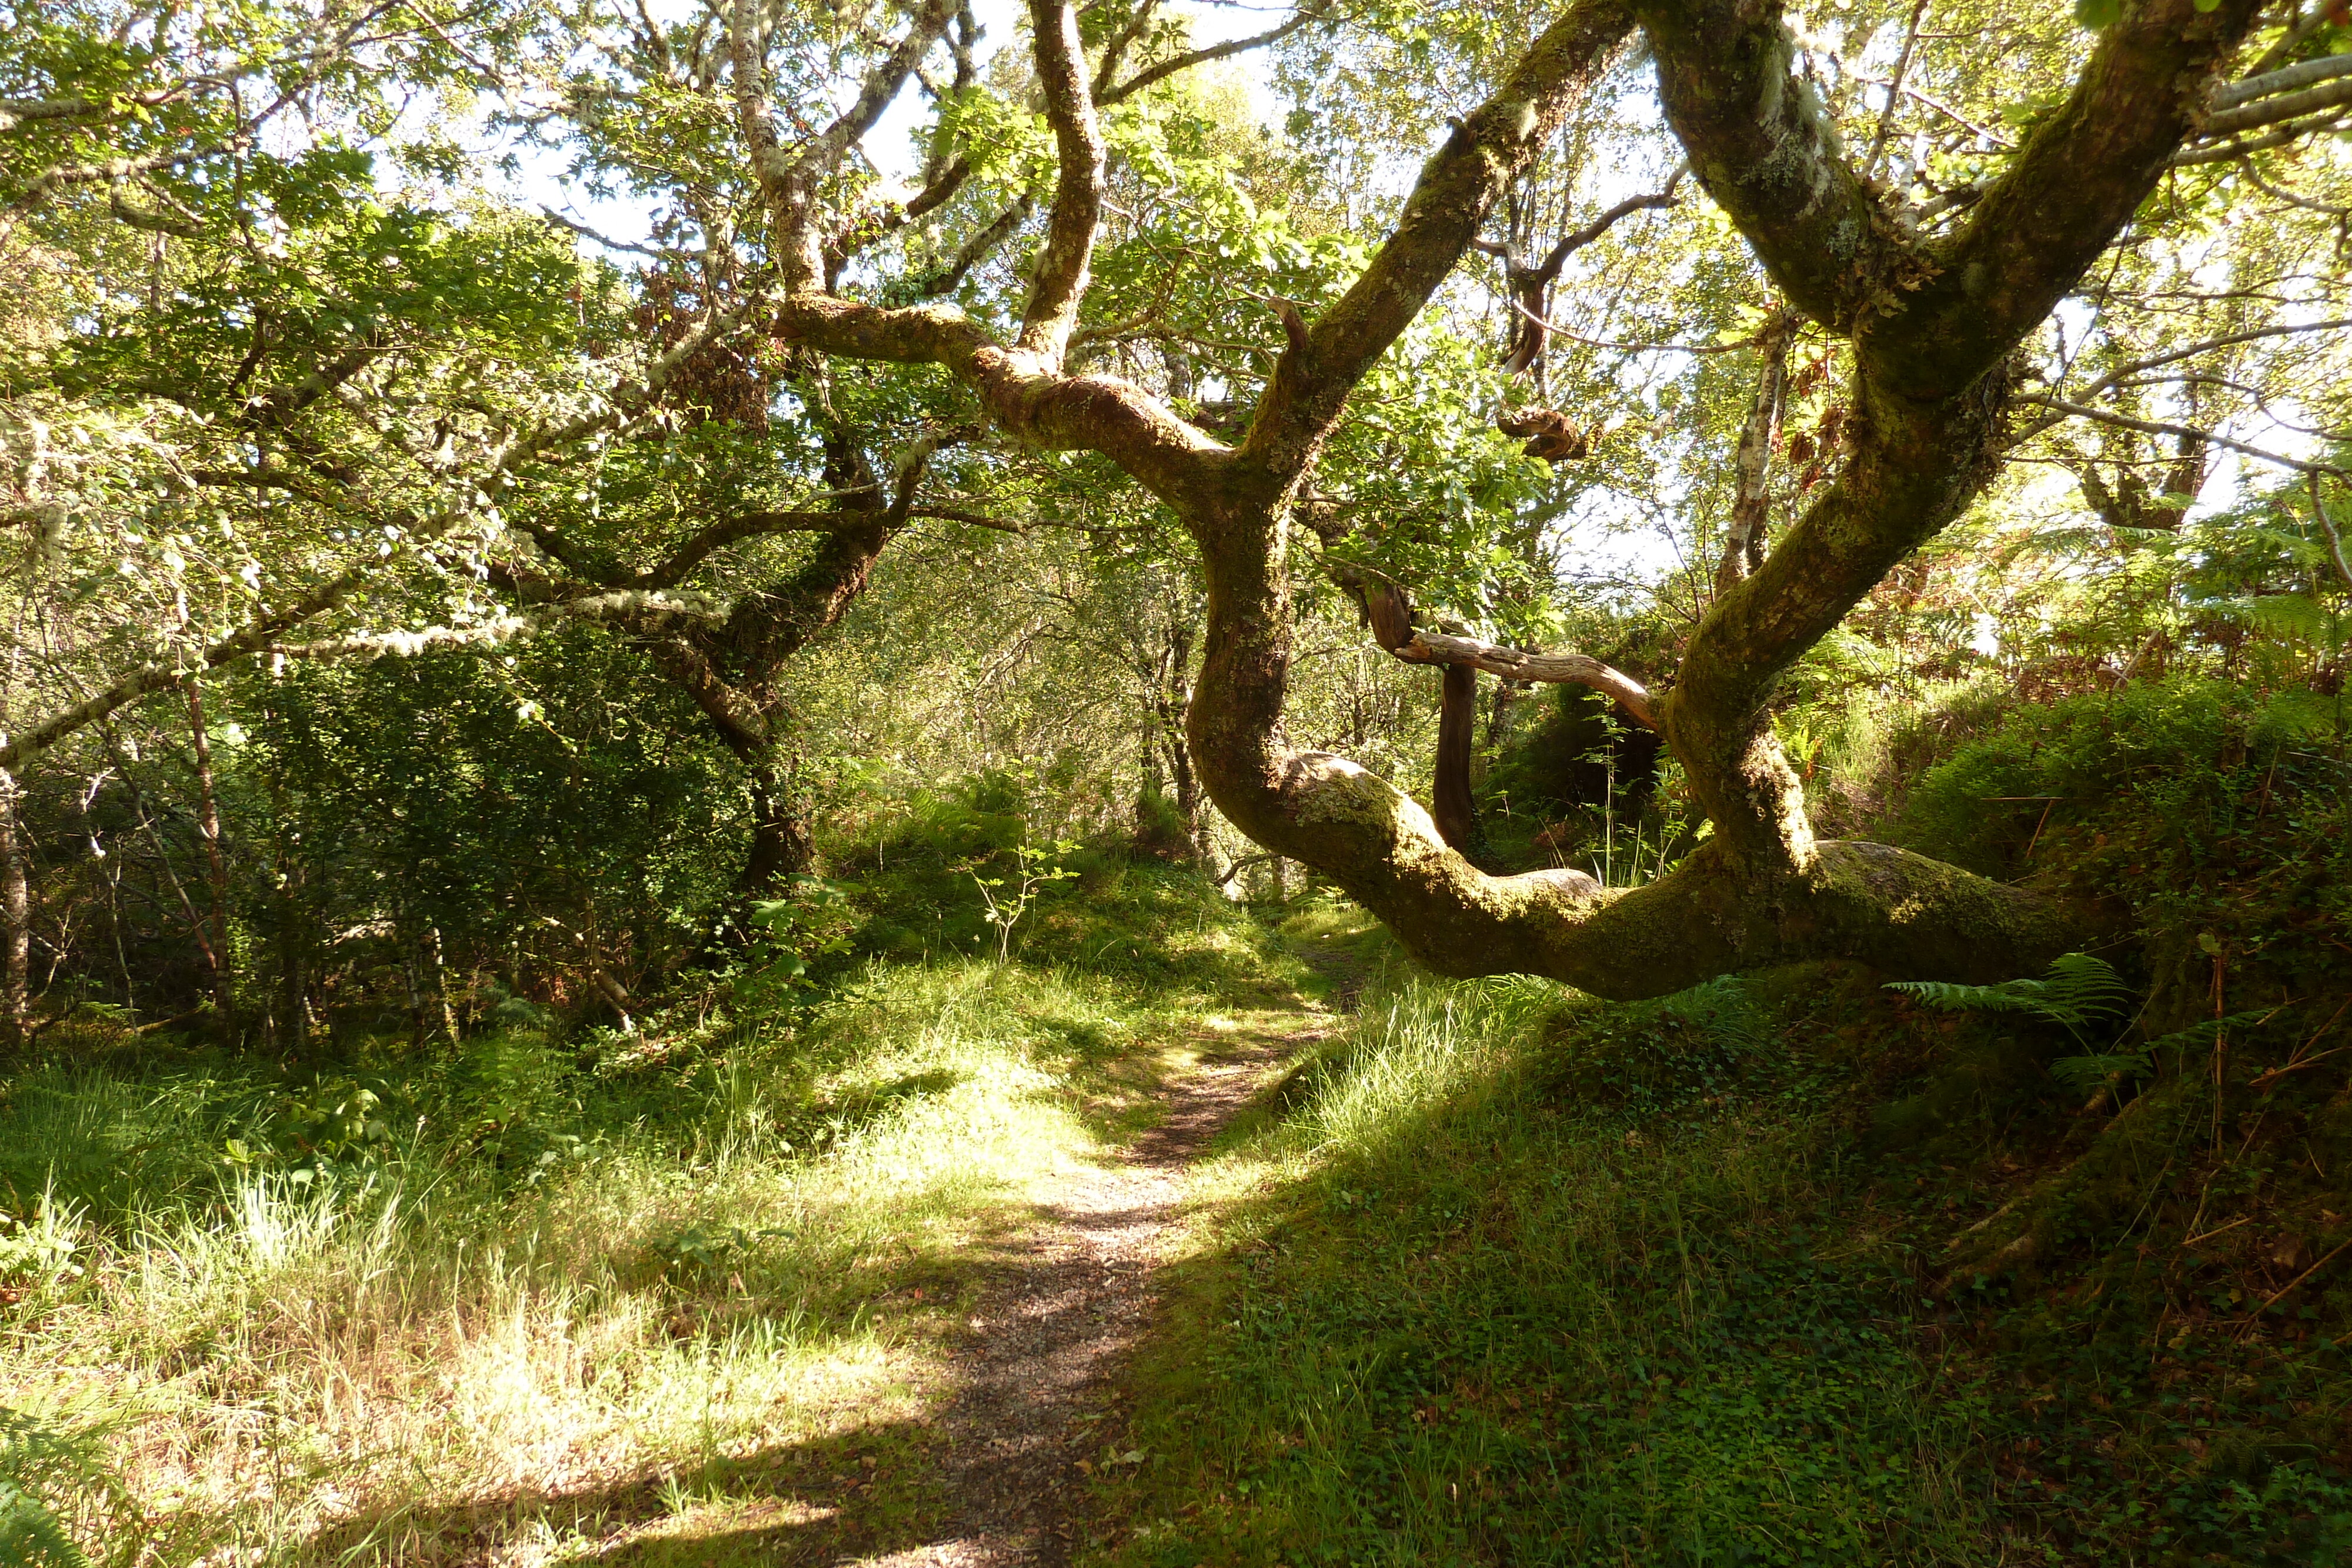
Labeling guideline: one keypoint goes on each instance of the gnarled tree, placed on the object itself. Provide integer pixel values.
(1932, 322)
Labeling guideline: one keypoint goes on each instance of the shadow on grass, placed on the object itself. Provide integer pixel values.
(1490, 1317)
(862, 1492)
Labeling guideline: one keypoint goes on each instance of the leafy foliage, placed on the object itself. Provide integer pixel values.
(51, 1479)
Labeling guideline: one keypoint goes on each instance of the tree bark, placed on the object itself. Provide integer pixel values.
(1451, 802)
(16, 915)
(1743, 543)
(782, 843)
(208, 828)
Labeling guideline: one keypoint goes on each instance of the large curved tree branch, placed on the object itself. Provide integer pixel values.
(1926, 410)
(2077, 180)
(1167, 454)
(1441, 219)
(1764, 148)
(1058, 286)
(1925, 421)
(1516, 664)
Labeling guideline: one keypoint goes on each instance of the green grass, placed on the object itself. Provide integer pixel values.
(1509, 1276)
(1783, 1269)
(1482, 1295)
(687, 1296)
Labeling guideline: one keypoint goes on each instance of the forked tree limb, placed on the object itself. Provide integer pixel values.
(2081, 174)
(1926, 418)
(1931, 327)
(790, 181)
(1442, 217)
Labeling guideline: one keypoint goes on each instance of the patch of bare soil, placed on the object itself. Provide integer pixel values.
(1039, 1355)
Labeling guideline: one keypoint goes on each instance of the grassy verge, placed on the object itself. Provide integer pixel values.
(1514, 1277)
(1476, 1299)
(532, 1305)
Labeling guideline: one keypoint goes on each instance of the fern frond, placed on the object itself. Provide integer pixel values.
(44, 1473)
(2081, 1075)
(32, 1535)
(2002, 998)
(2298, 617)
(2081, 988)
(2078, 991)
(2198, 1035)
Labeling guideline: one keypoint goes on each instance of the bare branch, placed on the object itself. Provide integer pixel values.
(2164, 427)
(959, 515)
(2326, 67)
(949, 279)
(1531, 287)
(2288, 42)
(2333, 95)
(1516, 664)
(584, 232)
(2229, 150)
(1893, 85)
(734, 530)
(1152, 75)
(18, 111)
(1556, 329)
(1577, 239)
(113, 171)
(2250, 335)
(2327, 527)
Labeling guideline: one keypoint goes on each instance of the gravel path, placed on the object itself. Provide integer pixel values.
(1038, 1357)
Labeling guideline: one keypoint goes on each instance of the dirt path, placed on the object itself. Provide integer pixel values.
(1037, 1358)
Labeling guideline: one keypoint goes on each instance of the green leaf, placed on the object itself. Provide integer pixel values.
(2099, 13)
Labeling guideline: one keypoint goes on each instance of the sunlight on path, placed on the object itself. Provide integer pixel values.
(1038, 1356)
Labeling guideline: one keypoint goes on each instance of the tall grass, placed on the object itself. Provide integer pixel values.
(504, 1315)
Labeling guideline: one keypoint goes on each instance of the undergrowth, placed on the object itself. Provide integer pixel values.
(542, 1294)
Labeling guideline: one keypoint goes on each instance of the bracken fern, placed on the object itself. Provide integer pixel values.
(2079, 992)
